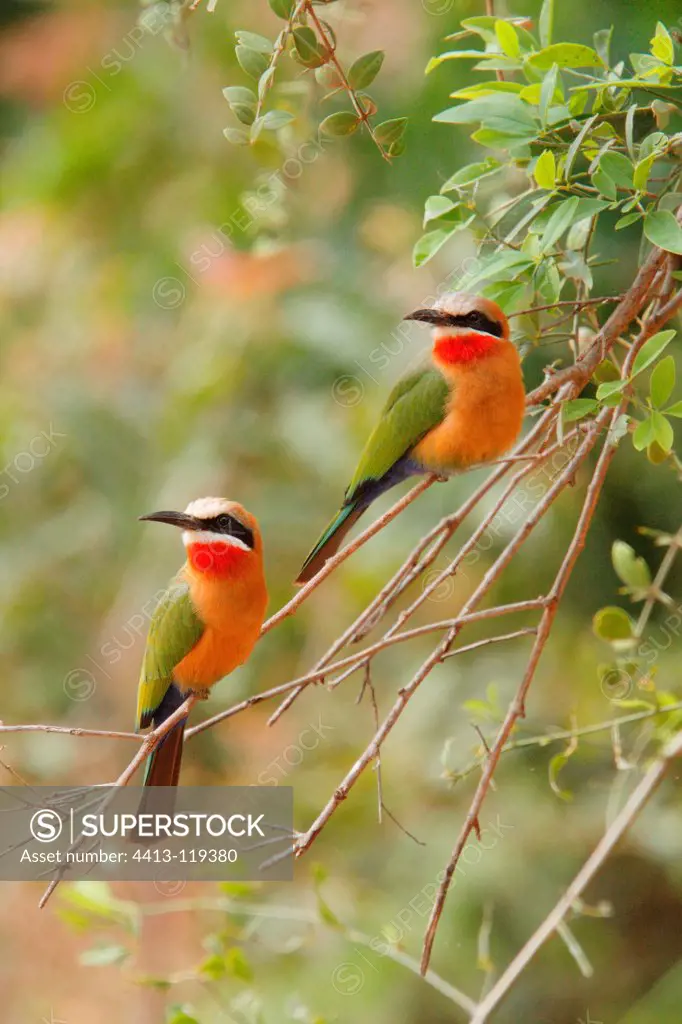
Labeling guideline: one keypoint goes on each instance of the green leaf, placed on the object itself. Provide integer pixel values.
(612, 624)
(213, 967)
(546, 22)
(365, 69)
(544, 171)
(275, 119)
(103, 956)
(577, 408)
(548, 91)
(574, 266)
(251, 61)
(602, 43)
(343, 122)
(604, 184)
(243, 112)
(566, 55)
(662, 381)
(661, 228)
(282, 8)
(651, 350)
(437, 206)
(240, 94)
(391, 131)
(674, 410)
(606, 371)
(559, 221)
(502, 111)
(610, 389)
(662, 46)
(555, 766)
(475, 90)
(642, 171)
(655, 454)
(618, 167)
(429, 244)
(265, 81)
(627, 220)
(254, 42)
(237, 136)
(574, 148)
(497, 265)
(507, 38)
(181, 1015)
(328, 77)
(470, 173)
(663, 431)
(493, 59)
(237, 964)
(310, 52)
(492, 138)
(630, 568)
(644, 434)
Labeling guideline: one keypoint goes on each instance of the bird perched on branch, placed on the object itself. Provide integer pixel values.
(463, 410)
(207, 622)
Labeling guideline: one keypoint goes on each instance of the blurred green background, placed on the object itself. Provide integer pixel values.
(162, 338)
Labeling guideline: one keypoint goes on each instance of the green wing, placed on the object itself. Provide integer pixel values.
(175, 629)
(416, 405)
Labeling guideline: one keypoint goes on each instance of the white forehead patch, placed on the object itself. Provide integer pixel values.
(210, 537)
(206, 508)
(457, 302)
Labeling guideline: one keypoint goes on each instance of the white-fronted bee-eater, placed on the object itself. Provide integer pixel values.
(207, 622)
(464, 409)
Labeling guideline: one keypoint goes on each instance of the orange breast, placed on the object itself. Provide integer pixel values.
(484, 415)
(233, 611)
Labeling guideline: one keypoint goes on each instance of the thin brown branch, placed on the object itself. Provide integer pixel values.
(406, 692)
(574, 303)
(74, 731)
(558, 735)
(277, 51)
(343, 78)
(147, 747)
(517, 707)
(604, 848)
(363, 657)
(346, 552)
(625, 312)
(415, 564)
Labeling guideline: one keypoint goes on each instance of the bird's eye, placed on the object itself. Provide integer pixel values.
(225, 522)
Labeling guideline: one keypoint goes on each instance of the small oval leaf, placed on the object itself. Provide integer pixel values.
(339, 124)
(630, 568)
(612, 624)
(365, 69)
(251, 61)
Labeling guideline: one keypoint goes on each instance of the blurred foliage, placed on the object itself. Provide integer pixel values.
(180, 316)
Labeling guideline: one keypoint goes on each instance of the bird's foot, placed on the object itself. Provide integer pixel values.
(199, 694)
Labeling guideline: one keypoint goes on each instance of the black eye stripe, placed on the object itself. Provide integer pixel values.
(478, 320)
(230, 526)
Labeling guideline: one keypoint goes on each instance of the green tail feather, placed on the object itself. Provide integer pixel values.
(330, 541)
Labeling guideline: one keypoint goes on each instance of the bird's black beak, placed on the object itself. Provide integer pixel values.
(180, 519)
(427, 315)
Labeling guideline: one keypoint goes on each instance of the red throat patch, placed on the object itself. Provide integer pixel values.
(217, 558)
(463, 348)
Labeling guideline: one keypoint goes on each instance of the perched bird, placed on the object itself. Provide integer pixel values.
(207, 622)
(463, 410)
